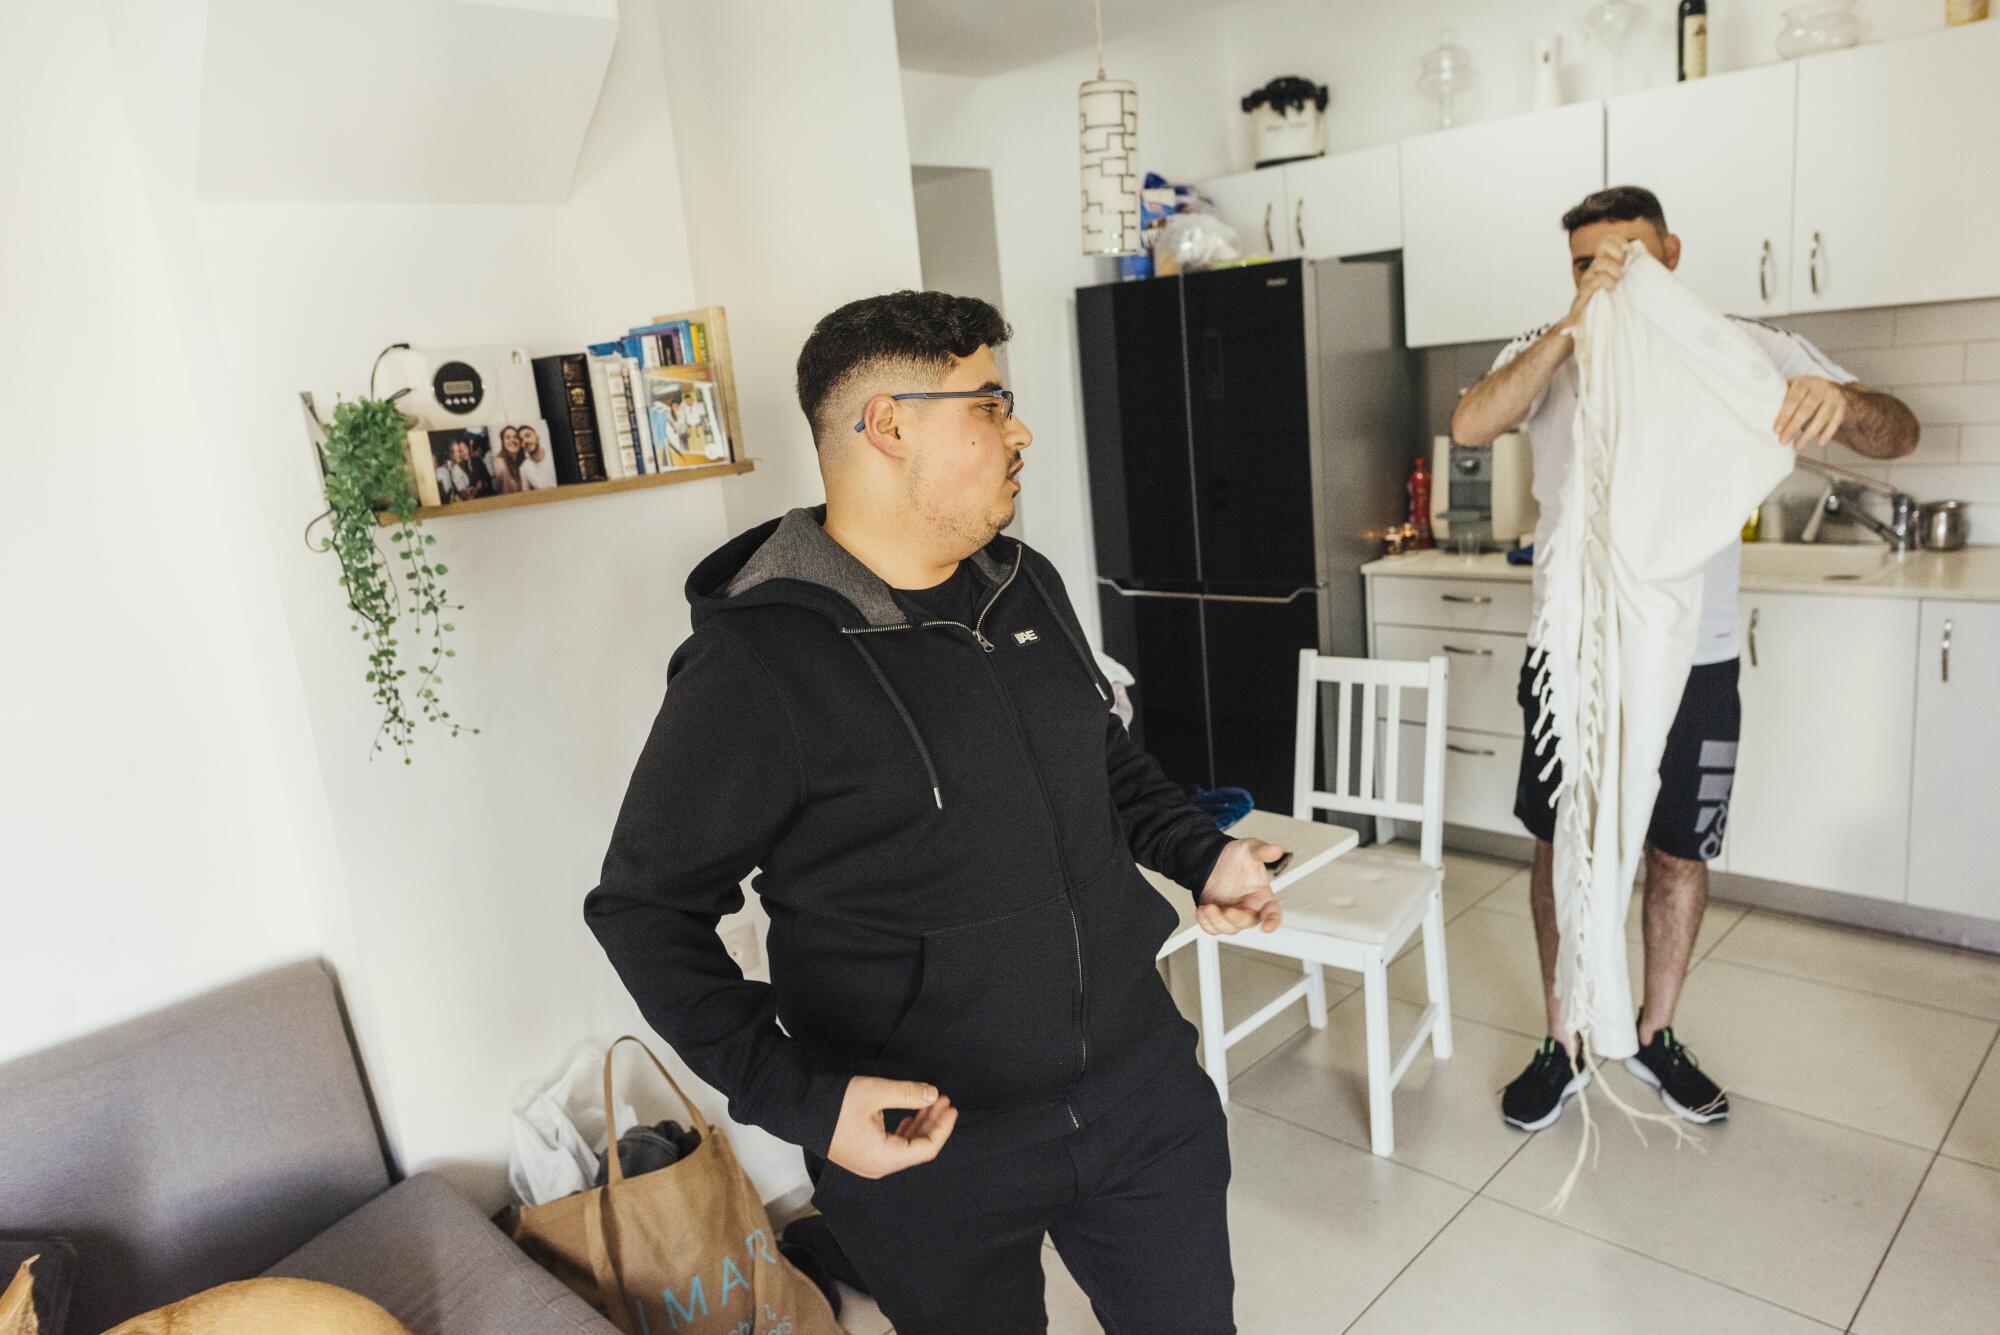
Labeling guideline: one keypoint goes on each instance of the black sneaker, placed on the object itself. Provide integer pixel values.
(1670, 1068)
(1536, 1097)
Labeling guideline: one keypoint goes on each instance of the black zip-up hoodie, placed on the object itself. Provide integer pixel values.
(946, 819)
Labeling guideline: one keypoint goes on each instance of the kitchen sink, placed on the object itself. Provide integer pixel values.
(1808, 561)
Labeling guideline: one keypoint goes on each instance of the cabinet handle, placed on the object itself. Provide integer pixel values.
(1469, 653)
(1299, 225)
(1272, 246)
(1944, 653)
(1753, 637)
(1764, 271)
(1812, 264)
(1469, 750)
(1479, 600)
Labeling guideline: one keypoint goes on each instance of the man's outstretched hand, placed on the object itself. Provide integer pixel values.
(865, 1148)
(1238, 893)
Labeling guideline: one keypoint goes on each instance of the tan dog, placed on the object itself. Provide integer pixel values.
(17, 1304)
(264, 1306)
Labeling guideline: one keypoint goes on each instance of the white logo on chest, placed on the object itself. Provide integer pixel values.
(1025, 637)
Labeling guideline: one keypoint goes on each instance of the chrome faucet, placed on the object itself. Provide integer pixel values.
(1842, 500)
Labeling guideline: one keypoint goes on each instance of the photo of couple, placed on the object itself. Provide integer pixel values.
(468, 465)
(686, 423)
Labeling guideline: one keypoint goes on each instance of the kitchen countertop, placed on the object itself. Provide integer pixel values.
(1971, 573)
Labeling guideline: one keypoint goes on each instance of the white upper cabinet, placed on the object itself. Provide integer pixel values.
(1346, 203)
(1957, 785)
(1484, 255)
(1718, 153)
(1254, 204)
(1898, 178)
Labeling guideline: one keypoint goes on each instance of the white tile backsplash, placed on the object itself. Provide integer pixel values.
(1923, 365)
(1979, 444)
(1982, 361)
(1949, 322)
(1949, 405)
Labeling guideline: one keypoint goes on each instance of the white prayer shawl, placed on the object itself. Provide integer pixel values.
(1674, 447)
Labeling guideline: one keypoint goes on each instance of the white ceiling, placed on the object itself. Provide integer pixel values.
(981, 37)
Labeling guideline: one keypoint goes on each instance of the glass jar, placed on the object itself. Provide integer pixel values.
(1810, 29)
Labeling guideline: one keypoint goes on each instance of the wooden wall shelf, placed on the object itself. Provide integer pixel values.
(575, 491)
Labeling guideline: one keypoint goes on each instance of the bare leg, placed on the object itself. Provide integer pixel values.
(1676, 897)
(1548, 940)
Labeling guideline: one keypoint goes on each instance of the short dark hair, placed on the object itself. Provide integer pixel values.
(1621, 203)
(927, 328)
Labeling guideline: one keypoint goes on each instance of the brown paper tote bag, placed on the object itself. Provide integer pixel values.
(683, 1250)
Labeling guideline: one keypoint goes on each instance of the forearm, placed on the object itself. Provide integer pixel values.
(1504, 398)
(1878, 425)
(1163, 830)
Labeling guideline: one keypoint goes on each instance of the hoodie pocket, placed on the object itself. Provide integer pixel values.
(995, 1023)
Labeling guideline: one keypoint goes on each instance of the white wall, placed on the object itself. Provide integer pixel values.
(796, 173)
(146, 827)
(1022, 125)
(192, 797)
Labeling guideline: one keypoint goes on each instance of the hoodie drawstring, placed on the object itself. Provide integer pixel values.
(882, 678)
(1075, 644)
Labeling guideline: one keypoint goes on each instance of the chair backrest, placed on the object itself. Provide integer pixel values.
(1366, 788)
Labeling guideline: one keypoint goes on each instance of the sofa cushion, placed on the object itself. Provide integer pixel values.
(427, 1254)
(192, 1146)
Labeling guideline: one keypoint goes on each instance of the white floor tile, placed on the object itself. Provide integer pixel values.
(1502, 1271)
(1495, 975)
(1942, 1276)
(1318, 1228)
(1249, 981)
(1889, 1067)
(1447, 1115)
(1958, 980)
(1976, 1133)
(1783, 1207)
(1069, 1306)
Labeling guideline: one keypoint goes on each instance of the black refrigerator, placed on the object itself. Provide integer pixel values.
(1249, 432)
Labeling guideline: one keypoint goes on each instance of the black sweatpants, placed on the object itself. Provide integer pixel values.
(1136, 1203)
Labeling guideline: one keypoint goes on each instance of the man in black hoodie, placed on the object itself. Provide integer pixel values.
(888, 709)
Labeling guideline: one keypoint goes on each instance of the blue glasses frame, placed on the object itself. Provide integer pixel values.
(1006, 396)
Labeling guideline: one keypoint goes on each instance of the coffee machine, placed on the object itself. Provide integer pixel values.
(1482, 496)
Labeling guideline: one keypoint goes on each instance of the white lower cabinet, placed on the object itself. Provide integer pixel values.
(1955, 793)
(1822, 794)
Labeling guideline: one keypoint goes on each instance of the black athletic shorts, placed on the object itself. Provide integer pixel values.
(1696, 770)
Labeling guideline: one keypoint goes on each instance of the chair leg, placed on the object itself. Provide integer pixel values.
(1208, 974)
(1435, 979)
(1375, 998)
(1315, 994)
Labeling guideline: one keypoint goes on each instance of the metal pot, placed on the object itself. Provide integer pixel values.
(1941, 526)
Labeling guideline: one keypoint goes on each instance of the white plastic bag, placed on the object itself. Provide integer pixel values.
(559, 1131)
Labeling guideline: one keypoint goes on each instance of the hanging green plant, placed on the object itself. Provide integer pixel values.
(368, 471)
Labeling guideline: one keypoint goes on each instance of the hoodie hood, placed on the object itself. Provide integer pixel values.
(793, 560)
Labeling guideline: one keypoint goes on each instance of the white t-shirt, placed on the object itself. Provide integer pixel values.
(1549, 423)
(539, 474)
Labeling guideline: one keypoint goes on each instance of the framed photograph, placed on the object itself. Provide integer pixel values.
(462, 463)
(687, 421)
(523, 457)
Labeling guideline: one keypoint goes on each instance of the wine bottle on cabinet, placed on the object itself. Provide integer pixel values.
(1693, 39)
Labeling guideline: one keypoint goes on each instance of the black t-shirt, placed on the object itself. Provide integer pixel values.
(957, 599)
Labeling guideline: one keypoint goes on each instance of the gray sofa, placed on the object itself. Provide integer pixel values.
(232, 1136)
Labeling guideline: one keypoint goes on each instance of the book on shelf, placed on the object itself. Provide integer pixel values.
(616, 450)
(562, 383)
(642, 427)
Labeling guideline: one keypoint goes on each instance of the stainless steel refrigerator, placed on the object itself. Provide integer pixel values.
(1249, 435)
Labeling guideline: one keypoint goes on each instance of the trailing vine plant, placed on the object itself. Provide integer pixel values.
(368, 470)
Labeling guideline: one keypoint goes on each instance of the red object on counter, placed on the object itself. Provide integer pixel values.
(1420, 504)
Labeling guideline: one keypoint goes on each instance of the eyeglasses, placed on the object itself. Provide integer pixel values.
(1006, 397)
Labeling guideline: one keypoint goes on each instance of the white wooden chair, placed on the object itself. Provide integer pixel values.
(1357, 911)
